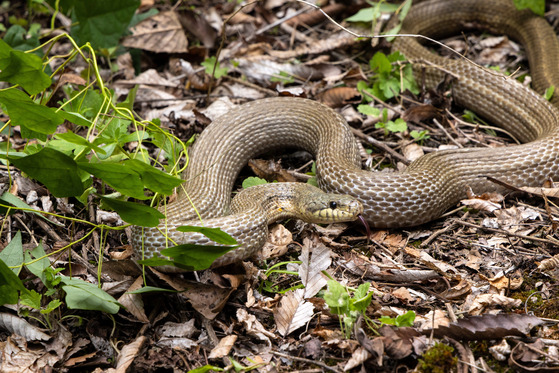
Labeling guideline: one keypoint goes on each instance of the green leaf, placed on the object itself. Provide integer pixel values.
(380, 63)
(214, 234)
(195, 257)
(25, 69)
(57, 171)
(337, 298)
(85, 296)
(75, 118)
(209, 64)
(536, 6)
(12, 200)
(368, 110)
(102, 22)
(11, 284)
(53, 304)
(118, 176)
(27, 114)
(31, 299)
(362, 298)
(549, 92)
(399, 125)
(18, 38)
(38, 268)
(12, 254)
(406, 319)
(154, 179)
(151, 289)
(134, 213)
(78, 140)
(253, 181)
(206, 368)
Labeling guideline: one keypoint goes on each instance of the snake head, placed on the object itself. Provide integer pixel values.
(330, 208)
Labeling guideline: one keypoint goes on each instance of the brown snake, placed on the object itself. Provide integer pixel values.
(430, 185)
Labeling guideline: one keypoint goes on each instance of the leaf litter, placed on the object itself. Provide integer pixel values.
(487, 271)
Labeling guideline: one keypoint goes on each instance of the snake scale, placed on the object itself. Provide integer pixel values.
(431, 184)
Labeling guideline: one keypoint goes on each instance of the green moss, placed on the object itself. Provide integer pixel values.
(438, 359)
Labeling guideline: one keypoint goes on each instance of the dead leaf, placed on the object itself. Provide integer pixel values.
(500, 351)
(421, 113)
(17, 325)
(412, 151)
(485, 327)
(481, 204)
(311, 267)
(128, 353)
(483, 301)
(254, 327)
(549, 264)
(502, 282)
(279, 238)
(223, 347)
(340, 96)
(198, 26)
(161, 33)
(292, 312)
(133, 303)
(270, 170)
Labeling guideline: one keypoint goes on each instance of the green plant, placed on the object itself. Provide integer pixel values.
(438, 359)
(373, 13)
(390, 77)
(78, 294)
(536, 6)
(347, 307)
(420, 136)
(406, 319)
(212, 67)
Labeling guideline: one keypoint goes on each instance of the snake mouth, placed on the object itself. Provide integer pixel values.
(366, 225)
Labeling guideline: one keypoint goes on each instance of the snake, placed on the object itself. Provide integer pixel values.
(426, 189)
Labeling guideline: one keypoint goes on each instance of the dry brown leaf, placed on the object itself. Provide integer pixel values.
(69, 78)
(502, 282)
(483, 301)
(161, 33)
(128, 353)
(403, 295)
(433, 319)
(420, 113)
(457, 291)
(207, 299)
(223, 347)
(475, 328)
(358, 357)
(340, 96)
(437, 265)
(18, 358)
(133, 303)
(500, 351)
(412, 151)
(254, 327)
(292, 312)
(173, 329)
(311, 267)
(270, 170)
(549, 264)
(278, 239)
(481, 204)
(15, 324)
(197, 25)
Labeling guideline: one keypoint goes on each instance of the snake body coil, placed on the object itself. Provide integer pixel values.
(430, 185)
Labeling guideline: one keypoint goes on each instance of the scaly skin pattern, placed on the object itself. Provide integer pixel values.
(430, 185)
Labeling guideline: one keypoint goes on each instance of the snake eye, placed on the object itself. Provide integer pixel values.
(333, 205)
